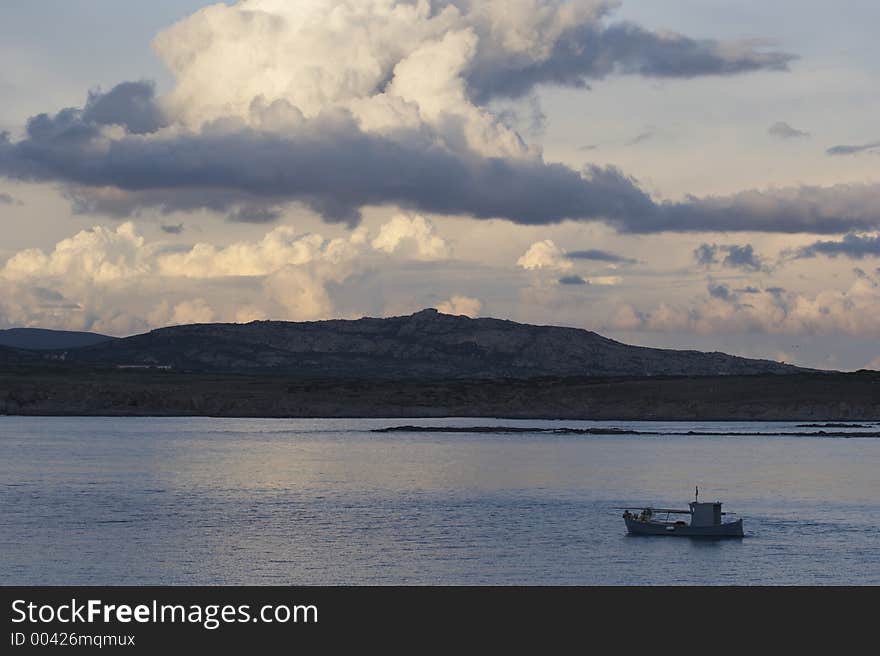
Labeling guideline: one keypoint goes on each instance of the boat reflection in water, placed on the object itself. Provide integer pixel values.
(705, 521)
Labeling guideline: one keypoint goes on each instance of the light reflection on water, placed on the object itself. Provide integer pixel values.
(239, 501)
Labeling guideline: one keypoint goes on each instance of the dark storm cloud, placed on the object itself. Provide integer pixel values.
(130, 104)
(594, 51)
(742, 257)
(824, 210)
(783, 130)
(572, 280)
(330, 165)
(721, 292)
(172, 229)
(735, 256)
(852, 246)
(852, 150)
(597, 255)
(255, 214)
(706, 254)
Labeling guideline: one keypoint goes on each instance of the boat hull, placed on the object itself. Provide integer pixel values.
(725, 530)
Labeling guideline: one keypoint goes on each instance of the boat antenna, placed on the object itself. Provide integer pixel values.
(696, 493)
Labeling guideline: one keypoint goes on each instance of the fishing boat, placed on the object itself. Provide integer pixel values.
(706, 521)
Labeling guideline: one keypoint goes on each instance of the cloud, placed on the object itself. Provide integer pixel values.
(572, 280)
(783, 130)
(6, 199)
(824, 210)
(172, 229)
(604, 281)
(112, 279)
(735, 256)
(414, 235)
(852, 150)
(854, 246)
(385, 104)
(544, 255)
(777, 311)
(130, 105)
(328, 164)
(720, 291)
(461, 305)
(600, 256)
(253, 213)
(187, 312)
(742, 257)
(98, 255)
(516, 45)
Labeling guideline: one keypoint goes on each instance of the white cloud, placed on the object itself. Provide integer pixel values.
(192, 311)
(279, 248)
(392, 64)
(850, 311)
(115, 281)
(604, 281)
(544, 255)
(97, 255)
(458, 305)
(414, 236)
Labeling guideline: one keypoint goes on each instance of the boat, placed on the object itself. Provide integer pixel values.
(706, 521)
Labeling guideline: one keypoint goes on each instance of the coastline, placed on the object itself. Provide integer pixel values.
(69, 391)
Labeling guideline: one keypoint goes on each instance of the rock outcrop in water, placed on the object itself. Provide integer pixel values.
(427, 344)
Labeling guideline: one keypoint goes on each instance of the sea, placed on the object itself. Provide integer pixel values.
(210, 501)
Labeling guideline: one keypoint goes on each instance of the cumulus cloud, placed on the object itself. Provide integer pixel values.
(783, 130)
(414, 235)
(852, 150)
(192, 311)
(97, 255)
(105, 279)
(848, 311)
(385, 103)
(544, 255)
(461, 305)
(855, 246)
(734, 256)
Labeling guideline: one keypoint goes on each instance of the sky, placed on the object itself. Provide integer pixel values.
(685, 174)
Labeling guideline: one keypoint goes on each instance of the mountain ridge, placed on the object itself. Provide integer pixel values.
(43, 339)
(427, 344)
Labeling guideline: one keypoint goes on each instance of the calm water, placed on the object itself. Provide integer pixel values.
(220, 501)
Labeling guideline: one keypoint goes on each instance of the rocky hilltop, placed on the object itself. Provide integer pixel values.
(426, 345)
